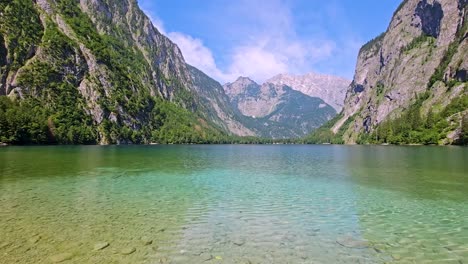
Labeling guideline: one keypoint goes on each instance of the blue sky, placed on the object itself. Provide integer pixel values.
(262, 38)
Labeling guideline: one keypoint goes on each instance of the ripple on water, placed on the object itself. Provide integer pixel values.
(283, 205)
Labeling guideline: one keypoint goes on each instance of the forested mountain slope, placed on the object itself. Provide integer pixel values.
(410, 84)
(96, 71)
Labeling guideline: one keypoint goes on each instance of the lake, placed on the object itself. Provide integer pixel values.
(234, 204)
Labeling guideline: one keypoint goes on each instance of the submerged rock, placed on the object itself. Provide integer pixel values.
(100, 246)
(351, 242)
(239, 243)
(163, 260)
(35, 239)
(206, 256)
(146, 241)
(4, 245)
(128, 251)
(61, 257)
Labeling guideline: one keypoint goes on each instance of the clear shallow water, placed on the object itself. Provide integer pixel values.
(234, 204)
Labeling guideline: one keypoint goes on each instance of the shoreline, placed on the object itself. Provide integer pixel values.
(224, 144)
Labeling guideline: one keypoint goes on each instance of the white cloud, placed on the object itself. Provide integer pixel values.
(266, 58)
(257, 62)
(158, 23)
(197, 54)
(268, 43)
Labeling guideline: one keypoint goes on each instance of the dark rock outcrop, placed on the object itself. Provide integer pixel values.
(431, 17)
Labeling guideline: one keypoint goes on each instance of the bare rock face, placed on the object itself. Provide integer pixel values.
(330, 89)
(252, 99)
(396, 68)
(160, 52)
(431, 17)
(240, 86)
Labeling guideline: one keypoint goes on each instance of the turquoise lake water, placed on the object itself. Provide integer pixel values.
(234, 204)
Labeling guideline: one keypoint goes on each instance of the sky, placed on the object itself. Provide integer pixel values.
(262, 38)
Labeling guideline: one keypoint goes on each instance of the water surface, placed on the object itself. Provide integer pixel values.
(234, 204)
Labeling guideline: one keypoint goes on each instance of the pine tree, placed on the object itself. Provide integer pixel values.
(464, 130)
(430, 121)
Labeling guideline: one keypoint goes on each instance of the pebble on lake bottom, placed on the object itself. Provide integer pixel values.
(4, 245)
(100, 246)
(35, 239)
(206, 256)
(128, 251)
(146, 241)
(351, 242)
(61, 257)
(163, 260)
(239, 243)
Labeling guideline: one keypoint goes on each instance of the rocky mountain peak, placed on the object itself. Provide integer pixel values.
(244, 80)
(276, 110)
(331, 89)
(240, 86)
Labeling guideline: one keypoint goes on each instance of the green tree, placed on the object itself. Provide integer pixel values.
(430, 120)
(464, 130)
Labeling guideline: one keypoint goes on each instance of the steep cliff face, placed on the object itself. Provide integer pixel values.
(253, 99)
(330, 89)
(124, 20)
(414, 71)
(217, 104)
(275, 110)
(100, 73)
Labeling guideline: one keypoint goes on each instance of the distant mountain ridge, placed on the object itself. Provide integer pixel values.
(276, 110)
(331, 89)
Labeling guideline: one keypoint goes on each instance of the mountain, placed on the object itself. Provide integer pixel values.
(330, 89)
(410, 84)
(98, 71)
(277, 111)
(212, 95)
